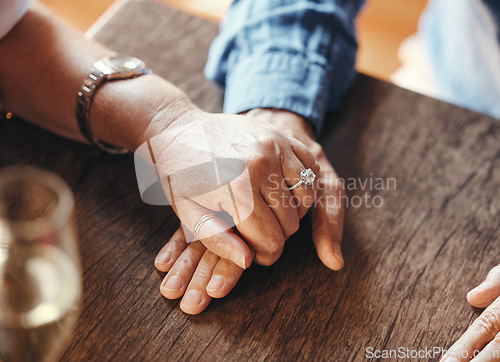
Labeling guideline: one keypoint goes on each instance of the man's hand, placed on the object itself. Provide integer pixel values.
(194, 273)
(328, 210)
(481, 342)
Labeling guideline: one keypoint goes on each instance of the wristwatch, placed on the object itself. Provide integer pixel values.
(108, 68)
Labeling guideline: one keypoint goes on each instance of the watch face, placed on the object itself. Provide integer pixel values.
(120, 65)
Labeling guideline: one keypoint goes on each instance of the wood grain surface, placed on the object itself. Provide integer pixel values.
(409, 263)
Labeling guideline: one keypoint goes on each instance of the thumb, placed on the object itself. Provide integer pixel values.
(328, 216)
(327, 235)
(486, 292)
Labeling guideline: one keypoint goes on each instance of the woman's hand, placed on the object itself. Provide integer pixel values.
(195, 273)
(328, 209)
(213, 162)
(481, 342)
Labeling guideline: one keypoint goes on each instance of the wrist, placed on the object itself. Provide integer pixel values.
(126, 113)
(292, 124)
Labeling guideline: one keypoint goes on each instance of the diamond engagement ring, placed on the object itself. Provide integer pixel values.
(307, 178)
(199, 224)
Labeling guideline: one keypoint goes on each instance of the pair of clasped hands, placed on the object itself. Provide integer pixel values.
(280, 143)
(275, 145)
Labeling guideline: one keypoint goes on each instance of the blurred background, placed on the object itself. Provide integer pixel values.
(382, 27)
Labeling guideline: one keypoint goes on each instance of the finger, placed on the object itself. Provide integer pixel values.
(215, 234)
(224, 277)
(268, 259)
(225, 245)
(491, 352)
(482, 331)
(176, 281)
(305, 155)
(328, 219)
(486, 292)
(327, 238)
(171, 251)
(257, 224)
(263, 233)
(259, 229)
(196, 298)
(291, 165)
(280, 201)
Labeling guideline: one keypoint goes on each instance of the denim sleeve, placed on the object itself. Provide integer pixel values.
(297, 55)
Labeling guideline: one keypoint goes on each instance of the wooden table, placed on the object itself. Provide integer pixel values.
(409, 263)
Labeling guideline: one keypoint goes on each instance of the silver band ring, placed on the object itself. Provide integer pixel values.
(307, 177)
(199, 224)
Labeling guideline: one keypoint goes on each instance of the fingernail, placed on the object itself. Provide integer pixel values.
(173, 284)
(450, 359)
(334, 262)
(338, 253)
(163, 258)
(216, 283)
(480, 287)
(238, 259)
(192, 298)
(482, 295)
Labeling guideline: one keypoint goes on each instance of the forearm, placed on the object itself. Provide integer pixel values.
(43, 63)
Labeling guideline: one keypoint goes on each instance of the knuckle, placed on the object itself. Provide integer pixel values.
(260, 162)
(316, 149)
(264, 262)
(268, 259)
(323, 183)
(195, 248)
(489, 322)
(268, 145)
(184, 261)
(276, 245)
(203, 273)
(309, 154)
(216, 240)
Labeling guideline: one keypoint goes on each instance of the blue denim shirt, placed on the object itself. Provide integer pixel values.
(297, 55)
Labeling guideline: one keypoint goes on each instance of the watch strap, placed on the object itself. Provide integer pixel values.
(83, 106)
